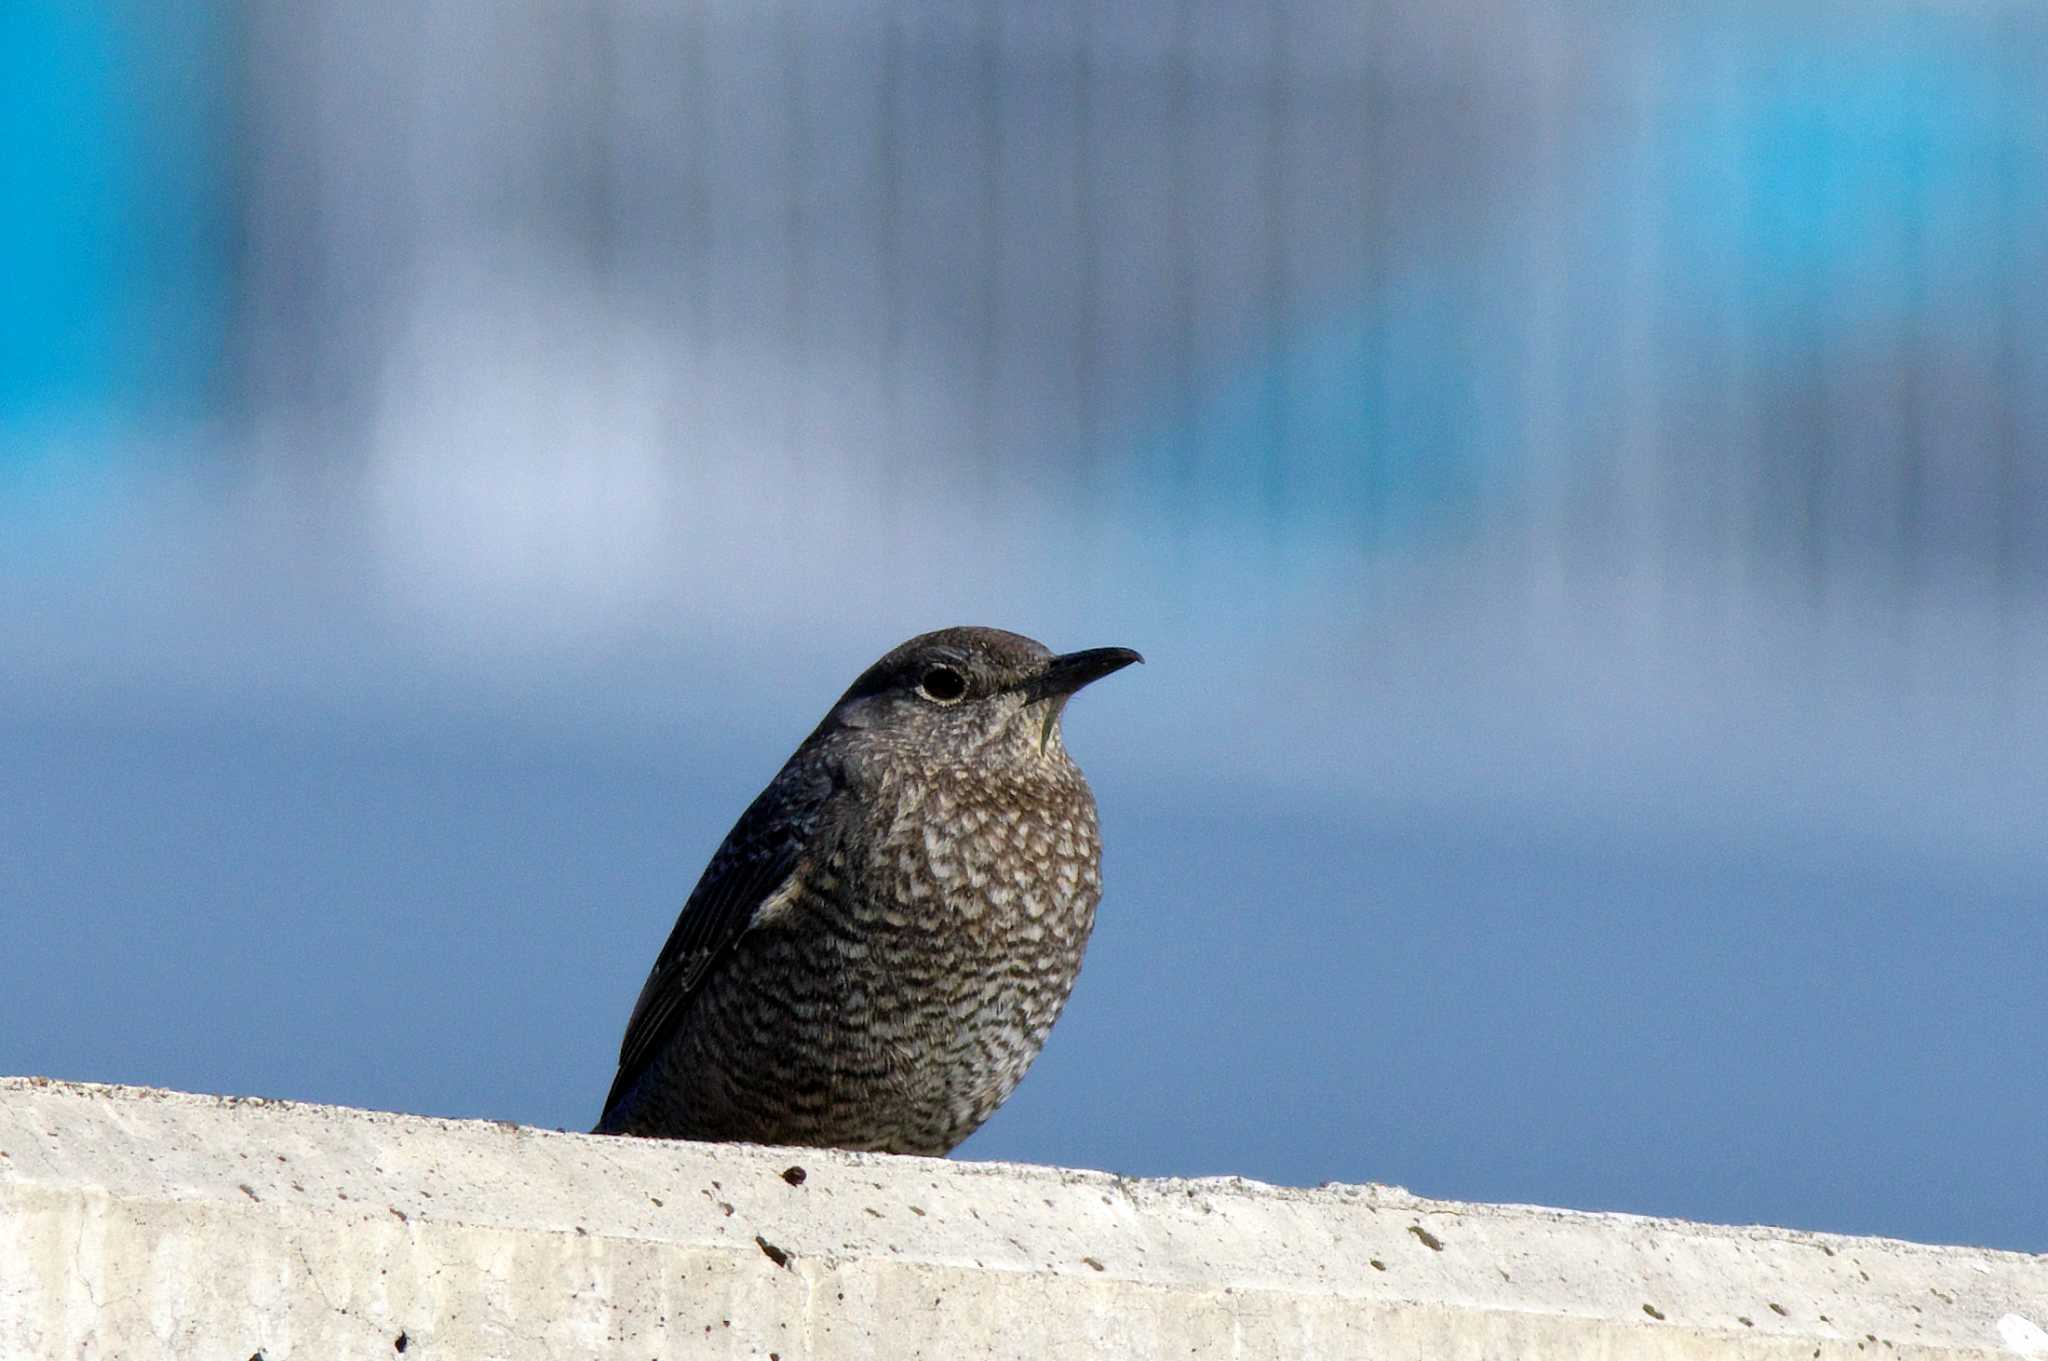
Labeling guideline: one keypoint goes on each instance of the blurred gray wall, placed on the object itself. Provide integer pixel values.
(1698, 289)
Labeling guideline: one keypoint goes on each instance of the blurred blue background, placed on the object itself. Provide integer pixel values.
(1578, 472)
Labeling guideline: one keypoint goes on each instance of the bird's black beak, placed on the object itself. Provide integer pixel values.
(1069, 671)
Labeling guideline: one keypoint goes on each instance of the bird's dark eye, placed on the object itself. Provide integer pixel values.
(943, 684)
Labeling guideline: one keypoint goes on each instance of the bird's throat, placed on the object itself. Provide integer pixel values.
(1050, 724)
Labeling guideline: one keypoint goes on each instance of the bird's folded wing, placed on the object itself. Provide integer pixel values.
(761, 857)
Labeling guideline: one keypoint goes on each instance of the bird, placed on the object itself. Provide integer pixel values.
(877, 951)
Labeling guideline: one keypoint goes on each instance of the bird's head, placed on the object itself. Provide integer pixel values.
(971, 694)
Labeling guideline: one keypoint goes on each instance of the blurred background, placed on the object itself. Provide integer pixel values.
(1578, 473)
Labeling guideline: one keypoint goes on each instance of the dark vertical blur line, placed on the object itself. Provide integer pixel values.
(1757, 59)
(1669, 355)
(695, 264)
(2029, 502)
(1273, 185)
(1779, 424)
(1746, 45)
(2007, 123)
(1685, 353)
(598, 109)
(1088, 264)
(1716, 521)
(889, 178)
(241, 159)
(198, 66)
(1375, 111)
(796, 234)
(2030, 513)
(1591, 289)
(1542, 507)
(1800, 441)
(1658, 366)
(409, 168)
(1358, 97)
(1184, 286)
(1583, 359)
(989, 305)
(318, 263)
(1914, 350)
(1449, 433)
(1810, 437)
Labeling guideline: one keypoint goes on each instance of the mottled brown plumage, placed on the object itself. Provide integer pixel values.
(878, 950)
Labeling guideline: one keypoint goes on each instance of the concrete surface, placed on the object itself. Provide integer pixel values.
(140, 1224)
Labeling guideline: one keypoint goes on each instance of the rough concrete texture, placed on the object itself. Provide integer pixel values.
(139, 1224)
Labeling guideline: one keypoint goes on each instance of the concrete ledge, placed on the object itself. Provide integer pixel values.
(137, 1224)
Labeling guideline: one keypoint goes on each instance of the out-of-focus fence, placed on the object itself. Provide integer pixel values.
(1728, 285)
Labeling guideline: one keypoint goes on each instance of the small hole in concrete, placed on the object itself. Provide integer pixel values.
(1094, 1263)
(773, 1253)
(794, 1176)
(1654, 1312)
(1429, 1240)
(1745, 1320)
(1378, 1265)
(400, 1343)
(1779, 1310)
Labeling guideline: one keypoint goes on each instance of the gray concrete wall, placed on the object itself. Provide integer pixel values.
(140, 1224)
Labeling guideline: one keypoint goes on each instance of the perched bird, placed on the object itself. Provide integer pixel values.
(878, 950)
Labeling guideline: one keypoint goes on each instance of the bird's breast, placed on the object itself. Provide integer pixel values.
(923, 957)
(1008, 860)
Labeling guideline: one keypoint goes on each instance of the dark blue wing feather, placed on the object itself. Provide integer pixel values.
(763, 851)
